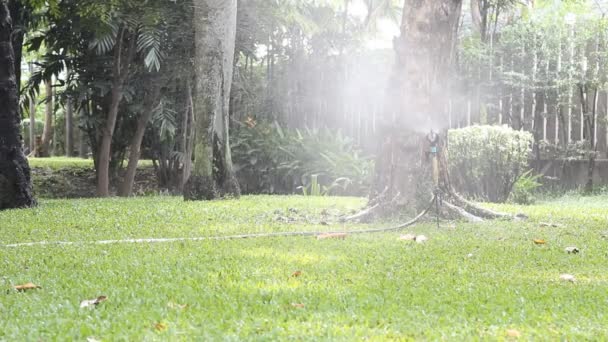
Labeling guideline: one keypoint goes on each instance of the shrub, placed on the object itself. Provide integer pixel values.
(486, 161)
(269, 159)
(524, 188)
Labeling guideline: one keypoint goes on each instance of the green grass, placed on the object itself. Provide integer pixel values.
(468, 282)
(57, 163)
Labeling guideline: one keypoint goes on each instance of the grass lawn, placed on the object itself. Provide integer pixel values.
(483, 281)
(56, 163)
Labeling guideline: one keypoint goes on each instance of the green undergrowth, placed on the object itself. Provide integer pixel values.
(484, 281)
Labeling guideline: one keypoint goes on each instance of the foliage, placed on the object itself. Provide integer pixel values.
(279, 160)
(486, 161)
(475, 284)
(524, 188)
(25, 130)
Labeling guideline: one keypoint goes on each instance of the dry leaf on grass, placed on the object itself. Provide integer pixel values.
(28, 286)
(93, 302)
(513, 333)
(572, 250)
(298, 305)
(160, 327)
(340, 236)
(296, 274)
(176, 306)
(539, 242)
(408, 237)
(421, 239)
(567, 277)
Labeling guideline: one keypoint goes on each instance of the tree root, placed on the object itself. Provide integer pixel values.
(462, 213)
(477, 210)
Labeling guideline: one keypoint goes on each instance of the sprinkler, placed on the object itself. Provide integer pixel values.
(433, 139)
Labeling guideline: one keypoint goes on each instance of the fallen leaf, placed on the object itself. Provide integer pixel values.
(513, 333)
(572, 250)
(296, 274)
(176, 306)
(93, 302)
(421, 239)
(408, 237)
(567, 277)
(160, 327)
(28, 286)
(539, 242)
(340, 236)
(298, 305)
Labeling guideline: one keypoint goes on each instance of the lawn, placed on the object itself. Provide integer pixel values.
(57, 163)
(467, 282)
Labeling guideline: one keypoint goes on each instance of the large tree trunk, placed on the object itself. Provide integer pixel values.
(215, 34)
(16, 12)
(416, 95)
(47, 133)
(15, 181)
(124, 51)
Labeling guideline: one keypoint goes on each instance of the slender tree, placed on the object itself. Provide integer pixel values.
(215, 34)
(15, 181)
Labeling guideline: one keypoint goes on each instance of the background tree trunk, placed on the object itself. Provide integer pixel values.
(47, 134)
(152, 99)
(416, 93)
(32, 117)
(15, 181)
(124, 51)
(215, 34)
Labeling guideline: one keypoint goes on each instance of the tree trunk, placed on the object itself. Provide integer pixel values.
(32, 117)
(69, 126)
(215, 34)
(126, 188)
(47, 133)
(424, 54)
(16, 11)
(15, 181)
(188, 137)
(124, 51)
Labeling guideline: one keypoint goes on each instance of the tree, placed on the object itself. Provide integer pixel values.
(411, 163)
(47, 134)
(15, 181)
(423, 60)
(215, 34)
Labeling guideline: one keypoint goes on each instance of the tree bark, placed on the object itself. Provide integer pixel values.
(124, 51)
(215, 34)
(15, 179)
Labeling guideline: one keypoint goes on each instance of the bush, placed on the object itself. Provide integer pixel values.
(486, 161)
(269, 159)
(525, 188)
